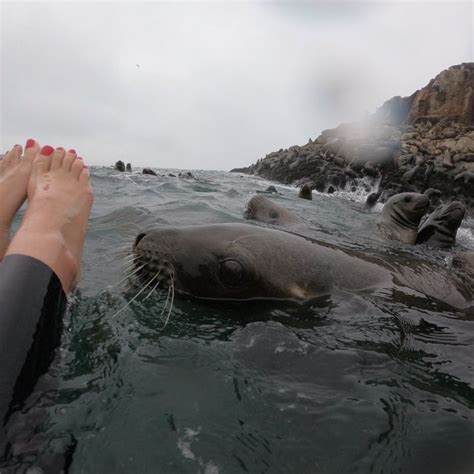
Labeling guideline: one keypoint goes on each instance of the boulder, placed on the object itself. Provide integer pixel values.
(449, 95)
(410, 144)
(149, 171)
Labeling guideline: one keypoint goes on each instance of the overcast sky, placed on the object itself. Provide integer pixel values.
(212, 85)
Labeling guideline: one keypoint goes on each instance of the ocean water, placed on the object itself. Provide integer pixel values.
(341, 384)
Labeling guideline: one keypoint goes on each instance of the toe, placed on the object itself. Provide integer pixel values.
(42, 161)
(12, 156)
(69, 160)
(77, 167)
(57, 158)
(32, 148)
(84, 177)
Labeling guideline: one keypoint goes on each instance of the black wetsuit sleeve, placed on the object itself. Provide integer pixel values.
(32, 303)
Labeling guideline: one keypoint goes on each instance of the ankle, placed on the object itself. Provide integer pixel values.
(50, 248)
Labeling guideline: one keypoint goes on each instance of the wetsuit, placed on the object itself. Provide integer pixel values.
(32, 304)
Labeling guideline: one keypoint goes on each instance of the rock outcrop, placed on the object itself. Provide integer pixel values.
(409, 144)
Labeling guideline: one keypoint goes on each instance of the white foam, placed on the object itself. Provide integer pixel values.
(465, 236)
(184, 445)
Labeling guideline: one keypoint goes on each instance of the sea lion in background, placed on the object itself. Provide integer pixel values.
(401, 216)
(441, 226)
(269, 190)
(464, 260)
(305, 192)
(371, 200)
(242, 262)
(434, 196)
(463, 263)
(262, 209)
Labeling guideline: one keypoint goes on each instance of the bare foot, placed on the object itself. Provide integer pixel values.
(55, 223)
(14, 175)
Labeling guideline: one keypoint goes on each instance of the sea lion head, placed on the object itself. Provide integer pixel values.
(441, 226)
(217, 261)
(406, 209)
(262, 209)
(305, 192)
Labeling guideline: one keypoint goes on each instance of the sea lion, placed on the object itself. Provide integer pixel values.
(243, 262)
(305, 192)
(401, 216)
(435, 197)
(441, 226)
(466, 176)
(371, 200)
(270, 190)
(262, 209)
(463, 263)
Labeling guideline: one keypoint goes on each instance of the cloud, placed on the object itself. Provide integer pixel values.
(219, 84)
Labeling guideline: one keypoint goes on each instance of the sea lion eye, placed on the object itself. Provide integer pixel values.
(274, 214)
(407, 199)
(231, 272)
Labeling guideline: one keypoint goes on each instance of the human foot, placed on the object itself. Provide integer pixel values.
(14, 175)
(55, 223)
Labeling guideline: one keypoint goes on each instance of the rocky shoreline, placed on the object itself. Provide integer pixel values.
(421, 143)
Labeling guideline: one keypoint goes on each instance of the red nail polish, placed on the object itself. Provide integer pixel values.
(72, 151)
(46, 150)
(30, 143)
(59, 148)
(79, 157)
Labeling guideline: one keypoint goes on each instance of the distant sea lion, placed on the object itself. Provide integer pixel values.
(371, 200)
(401, 216)
(269, 190)
(434, 196)
(262, 209)
(464, 261)
(242, 262)
(441, 226)
(305, 192)
(466, 176)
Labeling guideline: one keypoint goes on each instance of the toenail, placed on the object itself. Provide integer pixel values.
(79, 157)
(30, 143)
(59, 148)
(46, 150)
(71, 151)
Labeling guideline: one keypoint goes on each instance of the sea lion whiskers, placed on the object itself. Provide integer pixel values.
(129, 258)
(130, 274)
(136, 296)
(154, 288)
(232, 242)
(170, 289)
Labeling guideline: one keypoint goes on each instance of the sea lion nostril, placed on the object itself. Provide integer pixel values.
(138, 238)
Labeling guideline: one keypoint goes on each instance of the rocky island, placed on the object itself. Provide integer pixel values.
(421, 143)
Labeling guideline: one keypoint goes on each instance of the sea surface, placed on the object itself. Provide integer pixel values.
(343, 384)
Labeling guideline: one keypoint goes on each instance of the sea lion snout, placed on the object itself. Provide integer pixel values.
(422, 203)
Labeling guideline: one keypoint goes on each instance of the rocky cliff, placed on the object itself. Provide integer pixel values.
(409, 144)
